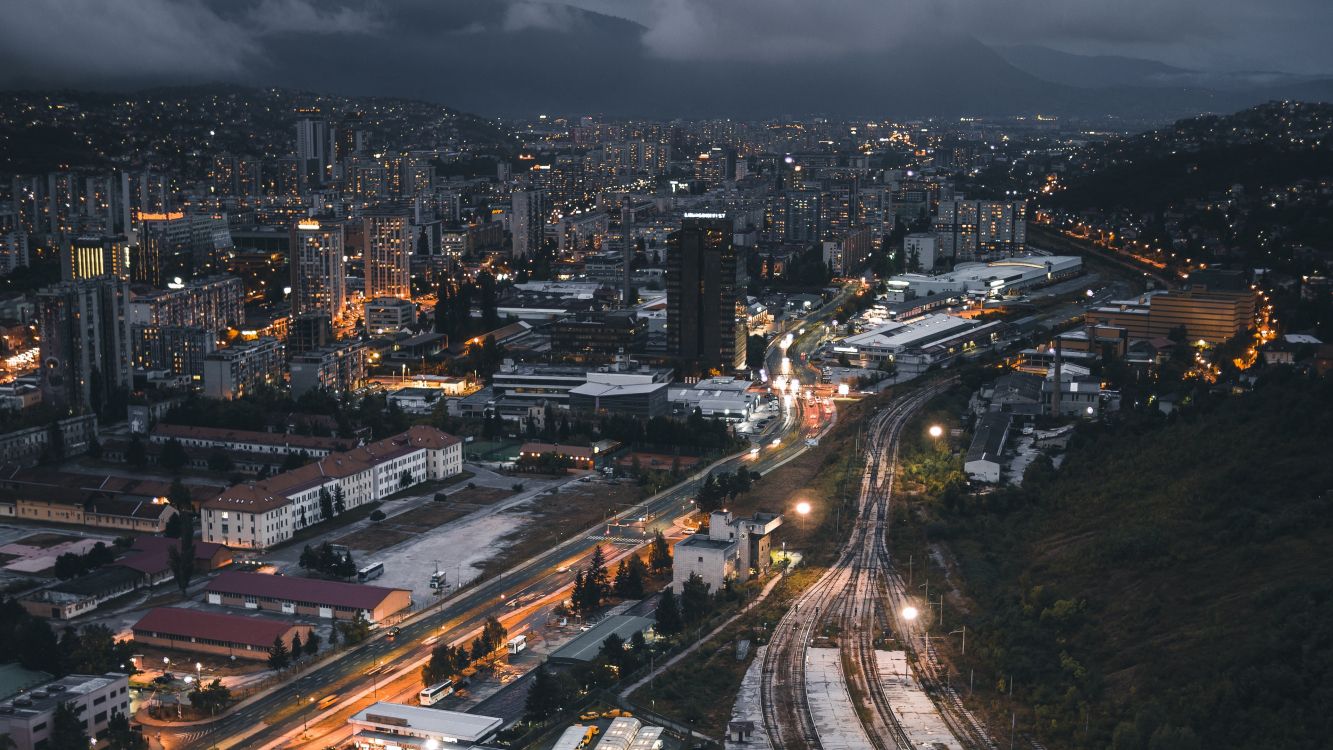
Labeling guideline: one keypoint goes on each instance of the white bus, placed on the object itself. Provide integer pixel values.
(370, 572)
(435, 693)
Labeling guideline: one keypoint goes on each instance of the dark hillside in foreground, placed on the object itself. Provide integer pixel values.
(1169, 586)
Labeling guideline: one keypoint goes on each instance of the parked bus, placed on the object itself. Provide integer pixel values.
(435, 693)
(517, 643)
(370, 572)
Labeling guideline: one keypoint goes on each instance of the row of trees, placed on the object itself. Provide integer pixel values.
(449, 662)
(282, 655)
(722, 487)
(593, 585)
(72, 564)
(32, 643)
(327, 561)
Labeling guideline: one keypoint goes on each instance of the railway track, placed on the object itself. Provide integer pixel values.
(851, 594)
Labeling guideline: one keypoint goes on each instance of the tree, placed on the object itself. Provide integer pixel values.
(67, 730)
(629, 578)
(36, 646)
(297, 649)
(405, 479)
(219, 461)
(694, 602)
(179, 496)
(69, 565)
(668, 622)
(173, 456)
(119, 734)
(659, 557)
(339, 500)
(181, 557)
(598, 583)
(278, 658)
(548, 696)
(295, 460)
(312, 644)
(325, 504)
(136, 454)
(212, 697)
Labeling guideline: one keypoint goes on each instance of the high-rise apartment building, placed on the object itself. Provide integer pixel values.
(965, 229)
(528, 220)
(237, 370)
(212, 303)
(705, 306)
(315, 149)
(13, 239)
(386, 237)
(319, 280)
(86, 348)
(173, 245)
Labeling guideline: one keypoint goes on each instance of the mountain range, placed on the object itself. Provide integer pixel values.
(520, 58)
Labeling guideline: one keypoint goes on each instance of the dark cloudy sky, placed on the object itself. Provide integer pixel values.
(412, 47)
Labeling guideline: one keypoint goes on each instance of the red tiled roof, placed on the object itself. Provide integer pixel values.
(191, 623)
(221, 434)
(309, 590)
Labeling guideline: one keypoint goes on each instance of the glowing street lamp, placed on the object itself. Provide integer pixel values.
(909, 613)
(803, 510)
(936, 431)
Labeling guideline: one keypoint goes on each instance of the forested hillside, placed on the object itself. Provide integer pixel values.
(1170, 586)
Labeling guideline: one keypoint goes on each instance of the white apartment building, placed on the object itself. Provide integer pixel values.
(259, 515)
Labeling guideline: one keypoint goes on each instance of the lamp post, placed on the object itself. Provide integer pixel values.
(199, 672)
(936, 432)
(803, 510)
(964, 632)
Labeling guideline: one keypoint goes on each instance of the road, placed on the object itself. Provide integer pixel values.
(279, 718)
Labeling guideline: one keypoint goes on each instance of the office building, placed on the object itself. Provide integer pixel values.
(528, 220)
(237, 370)
(386, 249)
(338, 368)
(174, 246)
(28, 718)
(86, 347)
(319, 279)
(88, 257)
(1209, 316)
(390, 315)
(705, 306)
(599, 336)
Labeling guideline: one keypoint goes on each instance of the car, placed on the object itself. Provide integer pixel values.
(562, 569)
(394, 631)
(328, 700)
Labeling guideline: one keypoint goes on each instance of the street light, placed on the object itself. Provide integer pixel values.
(936, 431)
(909, 613)
(803, 509)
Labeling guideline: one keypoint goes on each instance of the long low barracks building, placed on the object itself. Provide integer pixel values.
(289, 595)
(262, 514)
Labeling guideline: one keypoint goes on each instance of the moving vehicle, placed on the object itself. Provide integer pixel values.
(394, 631)
(328, 700)
(370, 572)
(435, 693)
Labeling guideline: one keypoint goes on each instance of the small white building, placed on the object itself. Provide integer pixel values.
(733, 548)
(983, 457)
(387, 725)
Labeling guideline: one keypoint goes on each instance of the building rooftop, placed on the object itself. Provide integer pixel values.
(988, 441)
(589, 643)
(704, 541)
(463, 728)
(194, 624)
(220, 434)
(46, 697)
(310, 590)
